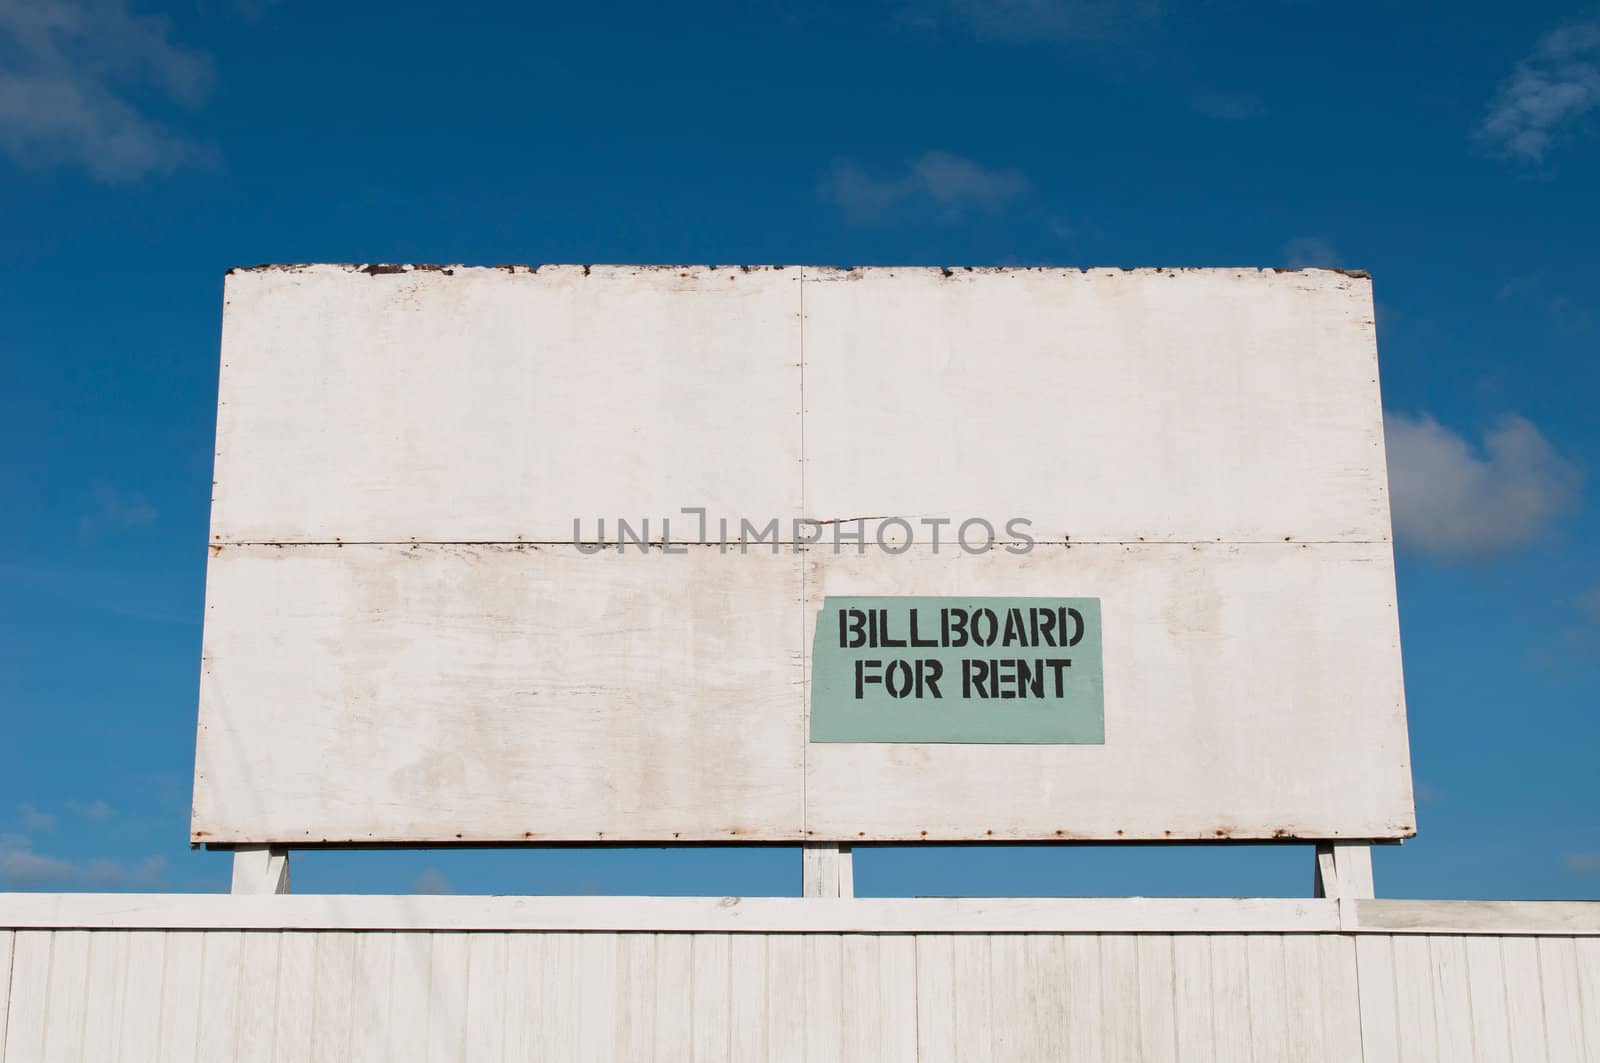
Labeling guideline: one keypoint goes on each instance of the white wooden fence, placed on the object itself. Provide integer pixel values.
(388, 978)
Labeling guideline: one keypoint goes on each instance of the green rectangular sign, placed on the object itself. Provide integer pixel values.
(996, 670)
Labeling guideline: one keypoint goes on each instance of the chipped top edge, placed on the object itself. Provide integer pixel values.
(384, 269)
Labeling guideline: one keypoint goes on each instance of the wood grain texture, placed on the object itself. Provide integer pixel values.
(482, 693)
(497, 406)
(503, 693)
(1104, 405)
(80, 995)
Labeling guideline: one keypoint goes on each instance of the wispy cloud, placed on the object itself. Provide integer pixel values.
(947, 184)
(1567, 315)
(1305, 251)
(69, 74)
(1227, 106)
(1457, 502)
(22, 866)
(431, 881)
(1549, 91)
(1026, 21)
(115, 510)
(1583, 863)
(95, 810)
(34, 820)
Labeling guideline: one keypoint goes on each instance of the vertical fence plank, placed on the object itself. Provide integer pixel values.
(1158, 997)
(861, 1028)
(105, 995)
(1415, 1018)
(180, 995)
(258, 994)
(824, 995)
(410, 978)
(30, 983)
(1191, 962)
(712, 970)
(674, 996)
(636, 997)
(524, 994)
(1563, 1000)
(974, 997)
(294, 1024)
(139, 1026)
(897, 995)
(1231, 1018)
(936, 992)
(1519, 957)
(7, 939)
(1269, 1018)
(1067, 978)
(331, 994)
(747, 1004)
(1341, 997)
(371, 988)
(486, 997)
(64, 997)
(1491, 1028)
(1452, 1000)
(1119, 995)
(219, 994)
(597, 995)
(1588, 957)
(786, 1001)
(447, 998)
(1302, 991)
(1380, 1033)
(1008, 974)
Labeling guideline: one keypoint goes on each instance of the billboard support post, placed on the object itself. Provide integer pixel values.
(827, 870)
(1344, 871)
(260, 869)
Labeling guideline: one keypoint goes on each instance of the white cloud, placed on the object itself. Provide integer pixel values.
(1456, 501)
(431, 880)
(21, 866)
(1588, 604)
(66, 71)
(1305, 251)
(115, 510)
(34, 820)
(1025, 21)
(1227, 106)
(1549, 90)
(948, 183)
(93, 810)
(1583, 863)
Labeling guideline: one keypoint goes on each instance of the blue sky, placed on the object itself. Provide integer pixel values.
(1450, 149)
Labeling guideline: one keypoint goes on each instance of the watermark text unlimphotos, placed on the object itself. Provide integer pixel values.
(891, 535)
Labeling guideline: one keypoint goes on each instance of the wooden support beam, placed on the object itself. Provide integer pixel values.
(260, 869)
(827, 870)
(1344, 871)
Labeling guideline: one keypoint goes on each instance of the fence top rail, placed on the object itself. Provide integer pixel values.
(965, 915)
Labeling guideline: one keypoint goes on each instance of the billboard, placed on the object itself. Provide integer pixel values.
(657, 554)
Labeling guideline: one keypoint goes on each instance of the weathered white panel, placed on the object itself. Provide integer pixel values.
(451, 693)
(1232, 705)
(427, 690)
(494, 995)
(499, 405)
(7, 938)
(499, 693)
(1105, 406)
